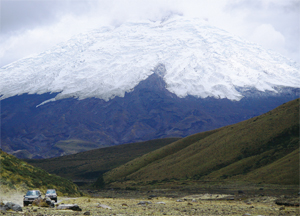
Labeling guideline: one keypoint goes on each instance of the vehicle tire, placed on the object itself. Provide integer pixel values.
(55, 200)
(25, 204)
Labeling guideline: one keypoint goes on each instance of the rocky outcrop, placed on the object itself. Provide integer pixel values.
(10, 206)
(73, 207)
(46, 202)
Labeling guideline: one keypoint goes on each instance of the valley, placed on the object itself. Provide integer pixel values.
(255, 150)
(85, 167)
(257, 173)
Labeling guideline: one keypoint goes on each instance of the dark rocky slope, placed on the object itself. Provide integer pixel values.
(148, 112)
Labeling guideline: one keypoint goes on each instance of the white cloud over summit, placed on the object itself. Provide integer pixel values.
(32, 26)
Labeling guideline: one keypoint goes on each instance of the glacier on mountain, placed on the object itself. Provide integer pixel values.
(193, 57)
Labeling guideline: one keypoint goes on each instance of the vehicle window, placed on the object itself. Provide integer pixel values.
(31, 193)
(50, 191)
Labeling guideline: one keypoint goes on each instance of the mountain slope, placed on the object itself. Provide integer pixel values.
(139, 81)
(18, 175)
(243, 151)
(148, 112)
(193, 57)
(287, 167)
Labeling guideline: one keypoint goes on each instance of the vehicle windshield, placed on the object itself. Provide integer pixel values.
(50, 191)
(32, 193)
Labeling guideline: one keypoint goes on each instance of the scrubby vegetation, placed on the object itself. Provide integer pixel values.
(17, 174)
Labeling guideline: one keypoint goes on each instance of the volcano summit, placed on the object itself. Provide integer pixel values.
(139, 81)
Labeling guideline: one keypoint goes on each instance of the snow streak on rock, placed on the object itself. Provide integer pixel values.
(193, 58)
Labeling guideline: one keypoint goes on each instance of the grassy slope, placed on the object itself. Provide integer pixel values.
(90, 164)
(17, 174)
(250, 150)
(284, 170)
(152, 157)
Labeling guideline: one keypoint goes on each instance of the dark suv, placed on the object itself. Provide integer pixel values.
(30, 196)
(51, 193)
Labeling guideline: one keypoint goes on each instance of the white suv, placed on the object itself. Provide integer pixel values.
(30, 196)
(51, 193)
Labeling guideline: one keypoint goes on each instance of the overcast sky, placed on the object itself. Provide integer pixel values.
(32, 26)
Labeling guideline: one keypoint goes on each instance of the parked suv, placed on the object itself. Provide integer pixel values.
(51, 193)
(30, 196)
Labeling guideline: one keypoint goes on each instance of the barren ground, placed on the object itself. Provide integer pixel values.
(175, 202)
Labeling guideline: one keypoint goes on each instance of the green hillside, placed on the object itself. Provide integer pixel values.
(16, 174)
(87, 166)
(264, 149)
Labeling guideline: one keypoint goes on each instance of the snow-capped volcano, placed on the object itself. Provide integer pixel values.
(136, 82)
(194, 59)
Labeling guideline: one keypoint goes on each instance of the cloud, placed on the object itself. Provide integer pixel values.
(35, 40)
(279, 19)
(266, 35)
(32, 26)
(16, 15)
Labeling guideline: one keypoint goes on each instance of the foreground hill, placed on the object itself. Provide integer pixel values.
(18, 175)
(87, 166)
(264, 149)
